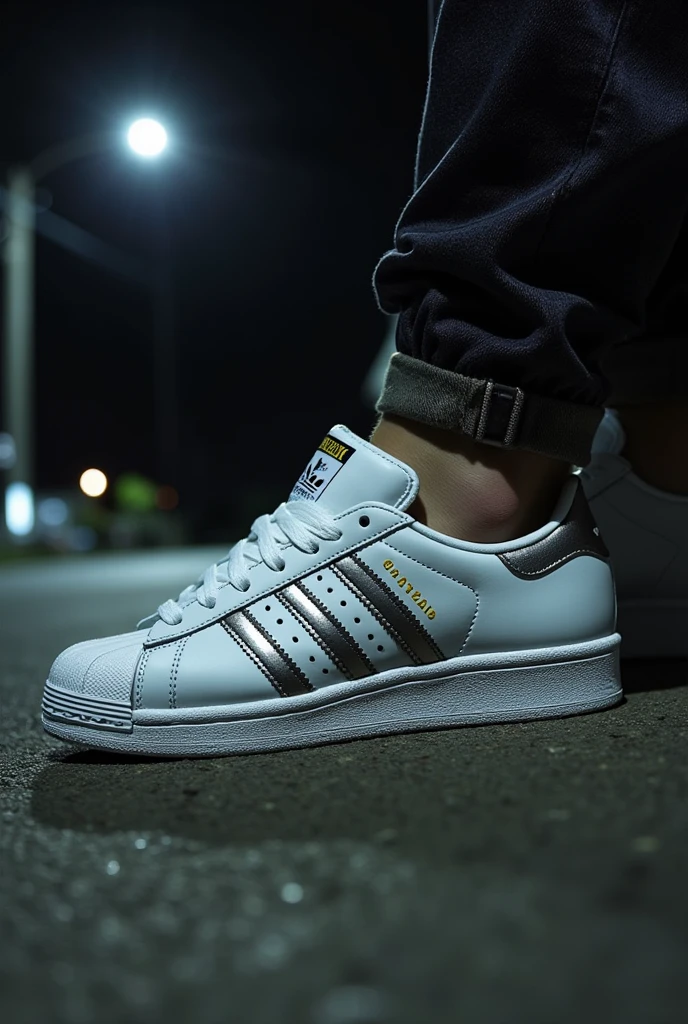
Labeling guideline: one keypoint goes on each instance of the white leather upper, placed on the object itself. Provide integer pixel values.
(298, 563)
(366, 472)
(481, 606)
(460, 597)
(644, 529)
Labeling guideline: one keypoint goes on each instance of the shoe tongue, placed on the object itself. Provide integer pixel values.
(346, 470)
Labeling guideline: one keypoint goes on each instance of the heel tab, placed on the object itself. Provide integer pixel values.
(581, 519)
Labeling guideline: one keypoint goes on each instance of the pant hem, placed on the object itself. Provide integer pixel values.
(489, 412)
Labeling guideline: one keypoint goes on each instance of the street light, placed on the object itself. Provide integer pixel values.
(147, 138)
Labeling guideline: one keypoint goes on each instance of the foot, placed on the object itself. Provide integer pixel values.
(342, 616)
(646, 531)
(473, 491)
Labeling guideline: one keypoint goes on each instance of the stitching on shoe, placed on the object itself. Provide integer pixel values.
(143, 664)
(386, 626)
(288, 660)
(312, 633)
(247, 650)
(552, 565)
(396, 465)
(385, 532)
(346, 634)
(438, 571)
(473, 620)
(451, 580)
(181, 644)
(401, 607)
(139, 676)
(386, 458)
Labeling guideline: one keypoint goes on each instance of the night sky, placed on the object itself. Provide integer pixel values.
(294, 129)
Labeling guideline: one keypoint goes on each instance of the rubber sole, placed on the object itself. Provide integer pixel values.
(653, 629)
(473, 690)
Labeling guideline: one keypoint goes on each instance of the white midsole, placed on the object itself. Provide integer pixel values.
(333, 694)
(518, 685)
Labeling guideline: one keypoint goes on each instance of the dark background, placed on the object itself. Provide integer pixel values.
(293, 129)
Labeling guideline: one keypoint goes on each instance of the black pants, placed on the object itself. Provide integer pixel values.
(540, 266)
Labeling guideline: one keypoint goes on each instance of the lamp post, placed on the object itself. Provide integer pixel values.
(18, 348)
(148, 139)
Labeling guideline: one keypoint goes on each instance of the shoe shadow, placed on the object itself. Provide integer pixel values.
(351, 791)
(644, 675)
(395, 790)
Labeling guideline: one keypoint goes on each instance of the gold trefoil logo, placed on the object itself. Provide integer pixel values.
(414, 594)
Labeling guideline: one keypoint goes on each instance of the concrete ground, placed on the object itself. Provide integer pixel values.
(519, 873)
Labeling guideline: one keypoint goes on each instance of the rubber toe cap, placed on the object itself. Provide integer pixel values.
(100, 668)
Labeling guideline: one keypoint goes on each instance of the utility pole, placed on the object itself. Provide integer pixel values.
(146, 137)
(18, 348)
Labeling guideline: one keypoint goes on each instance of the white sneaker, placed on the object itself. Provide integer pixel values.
(646, 531)
(341, 616)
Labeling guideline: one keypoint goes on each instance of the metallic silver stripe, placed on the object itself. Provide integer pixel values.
(286, 676)
(327, 630)
(394, 616)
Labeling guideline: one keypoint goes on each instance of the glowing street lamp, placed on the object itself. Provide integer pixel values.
(147, 137)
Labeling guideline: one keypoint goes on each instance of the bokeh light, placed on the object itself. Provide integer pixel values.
(19, 509)
(8, 451)
(53, 512)
(134, 493)
(93, 482)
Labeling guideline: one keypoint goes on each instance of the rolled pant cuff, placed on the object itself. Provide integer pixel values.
(489, 412)
(648, 369)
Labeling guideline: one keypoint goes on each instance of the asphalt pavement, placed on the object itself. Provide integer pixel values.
(518, 873)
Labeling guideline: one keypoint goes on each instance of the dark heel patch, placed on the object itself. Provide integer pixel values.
(577, 535)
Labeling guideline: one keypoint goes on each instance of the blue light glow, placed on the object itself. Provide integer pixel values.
(19, 509)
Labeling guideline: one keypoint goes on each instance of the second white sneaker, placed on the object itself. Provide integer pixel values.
(340, 616)
(646, 531)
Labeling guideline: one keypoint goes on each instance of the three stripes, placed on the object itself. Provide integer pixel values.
(329, 633)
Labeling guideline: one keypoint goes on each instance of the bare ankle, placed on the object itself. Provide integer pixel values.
(473, 491)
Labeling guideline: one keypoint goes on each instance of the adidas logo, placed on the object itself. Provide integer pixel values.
(310, 478)
(329, 458)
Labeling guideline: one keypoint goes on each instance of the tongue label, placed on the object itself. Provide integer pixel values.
(322, 469)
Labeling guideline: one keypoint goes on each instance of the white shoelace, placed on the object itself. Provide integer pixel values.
(300, 523)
